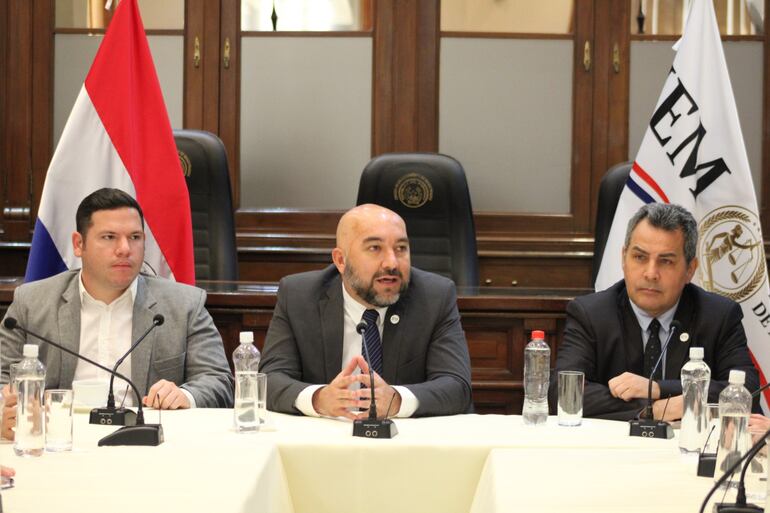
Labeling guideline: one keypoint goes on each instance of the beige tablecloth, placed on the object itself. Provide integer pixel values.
(446, 464)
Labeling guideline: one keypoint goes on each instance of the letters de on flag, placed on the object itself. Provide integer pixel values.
(118, 135)
(693, 154)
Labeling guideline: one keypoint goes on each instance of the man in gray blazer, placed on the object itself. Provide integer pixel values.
(313, 354)
(102, 308)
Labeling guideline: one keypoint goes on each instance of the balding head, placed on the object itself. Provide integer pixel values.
(372, 254)
(359, 218)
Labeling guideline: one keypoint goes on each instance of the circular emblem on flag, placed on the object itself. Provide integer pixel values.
(731, 253)
(413, 190)
(184, 161)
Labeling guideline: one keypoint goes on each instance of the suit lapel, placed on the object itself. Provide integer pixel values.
(632, 335)
(677, 352)
(69, 331)
(392, 339)
(332, 314)
(143, 312)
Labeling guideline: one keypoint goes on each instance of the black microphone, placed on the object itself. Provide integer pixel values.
(141, 433)
(121, 416)
(372, 427)
(648, 427)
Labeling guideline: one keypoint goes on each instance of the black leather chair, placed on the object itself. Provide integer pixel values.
(430, 192)
(609, 194)
(204, 163)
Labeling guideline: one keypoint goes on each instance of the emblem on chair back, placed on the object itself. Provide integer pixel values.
(184, 161)
(413, 190)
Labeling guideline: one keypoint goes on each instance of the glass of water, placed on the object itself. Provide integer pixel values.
(262, 397)
(570, 406)
(245, 411)
(58, 420)
(12, 382)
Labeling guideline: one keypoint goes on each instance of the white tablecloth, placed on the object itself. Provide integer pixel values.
(445, 464)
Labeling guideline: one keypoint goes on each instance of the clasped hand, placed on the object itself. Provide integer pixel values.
(337, 400)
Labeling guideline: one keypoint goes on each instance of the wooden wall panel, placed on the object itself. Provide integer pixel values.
(16, 156)
(404, 99)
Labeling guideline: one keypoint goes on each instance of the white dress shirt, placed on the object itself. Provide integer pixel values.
(351, 347)
(105, 336)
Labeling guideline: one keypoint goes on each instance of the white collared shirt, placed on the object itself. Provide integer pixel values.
(351, 347)
(665, 319)
(105, 336)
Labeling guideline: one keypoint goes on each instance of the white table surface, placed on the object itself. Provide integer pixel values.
(443, 464)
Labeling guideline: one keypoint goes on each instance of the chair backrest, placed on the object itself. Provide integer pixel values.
(609, 194)
(204, 162)
(430, 192)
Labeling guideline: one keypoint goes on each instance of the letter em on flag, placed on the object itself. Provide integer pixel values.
(693, 154)
(118, 135)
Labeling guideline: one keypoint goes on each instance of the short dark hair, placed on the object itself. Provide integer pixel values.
(668, 217)
(103, 199)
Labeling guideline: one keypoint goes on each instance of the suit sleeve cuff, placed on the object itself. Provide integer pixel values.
(669, 387)
(304, 401)
(189, 396)
(409, 403)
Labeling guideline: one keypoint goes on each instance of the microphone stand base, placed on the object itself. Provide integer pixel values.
(707, 464)
(651, 429)
(373, 428)
(113, 417)
(145, 434)
(738, 508)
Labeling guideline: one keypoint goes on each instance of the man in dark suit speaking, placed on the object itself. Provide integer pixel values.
(616, 336)
(313, 354)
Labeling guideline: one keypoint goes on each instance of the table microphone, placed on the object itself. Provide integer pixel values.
(141, 433)
(648, 427)
(372, 427)
(121, 416)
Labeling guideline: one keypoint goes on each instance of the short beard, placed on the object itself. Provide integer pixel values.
(366, 291)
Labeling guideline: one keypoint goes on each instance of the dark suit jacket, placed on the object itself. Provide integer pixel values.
(425, 351)
(603, 339)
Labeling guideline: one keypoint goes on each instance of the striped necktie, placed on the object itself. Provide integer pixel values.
(372, 340)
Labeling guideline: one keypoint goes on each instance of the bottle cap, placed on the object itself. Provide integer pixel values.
(696, 353)
(538, 335)
(30, 351)
(247, 337)
(737, 377)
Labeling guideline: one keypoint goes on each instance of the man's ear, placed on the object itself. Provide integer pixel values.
(77, 243)
(338, 257)
(691, 268)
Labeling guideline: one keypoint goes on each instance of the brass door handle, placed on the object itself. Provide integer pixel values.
(587, 56)
(197, 52)
(616, 58)
(226, 54)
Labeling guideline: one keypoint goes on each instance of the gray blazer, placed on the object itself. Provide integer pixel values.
(425, 351)
(187, 349)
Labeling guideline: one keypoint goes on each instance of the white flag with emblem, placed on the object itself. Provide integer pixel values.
(693, 154)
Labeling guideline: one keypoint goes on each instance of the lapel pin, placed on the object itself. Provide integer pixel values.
(394, 319)
(684, 337)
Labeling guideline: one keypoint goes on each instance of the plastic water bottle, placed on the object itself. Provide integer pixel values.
(30, 421)
(537, 365)
(734, 412)
(696, 376)
(246, 362)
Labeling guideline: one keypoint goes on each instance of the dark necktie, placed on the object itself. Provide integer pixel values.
(652, 351)
(372, 340)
